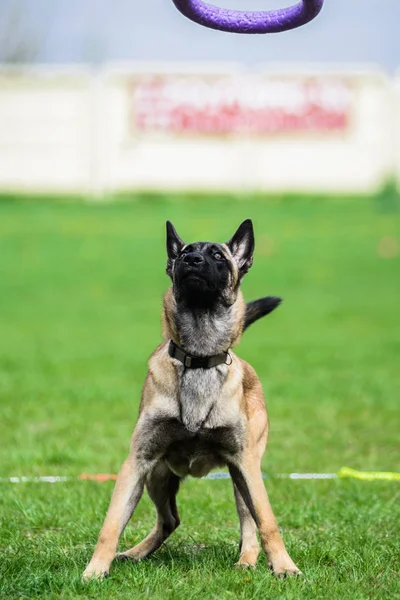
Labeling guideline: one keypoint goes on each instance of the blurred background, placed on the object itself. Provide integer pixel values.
(97, 100)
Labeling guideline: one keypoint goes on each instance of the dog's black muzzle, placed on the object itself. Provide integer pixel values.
(197, 280)
(194, 260)
(193, 271)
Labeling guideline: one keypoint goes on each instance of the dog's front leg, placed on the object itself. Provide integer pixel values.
(127, 493)
(247, 477)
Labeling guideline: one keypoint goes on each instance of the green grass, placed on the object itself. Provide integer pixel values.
(80, 297)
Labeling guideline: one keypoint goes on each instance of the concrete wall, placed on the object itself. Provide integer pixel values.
(396, 130)
(75, 130)
(45, 130)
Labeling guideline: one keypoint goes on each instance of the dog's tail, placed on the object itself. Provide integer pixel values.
(259, 308)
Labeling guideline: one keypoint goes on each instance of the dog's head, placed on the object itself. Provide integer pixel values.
(206, 273)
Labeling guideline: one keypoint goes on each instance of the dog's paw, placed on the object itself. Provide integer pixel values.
(284, 567)
(288, 573)
(126, 557)
(93, 572)
(248, 559)
(241, 564)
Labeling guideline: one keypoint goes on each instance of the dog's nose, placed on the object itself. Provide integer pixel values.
(193, 259)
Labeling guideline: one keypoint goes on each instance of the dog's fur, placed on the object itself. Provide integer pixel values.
(192, 420)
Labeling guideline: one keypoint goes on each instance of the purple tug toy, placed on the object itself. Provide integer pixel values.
(236, 21)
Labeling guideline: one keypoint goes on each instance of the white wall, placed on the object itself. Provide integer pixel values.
(45, 130)
(396, 131)
(72, 130)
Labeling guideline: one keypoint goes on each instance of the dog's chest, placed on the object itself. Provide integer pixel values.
(199, 393)
(196, 454)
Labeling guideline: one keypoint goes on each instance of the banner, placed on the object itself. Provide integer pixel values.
(241, 105)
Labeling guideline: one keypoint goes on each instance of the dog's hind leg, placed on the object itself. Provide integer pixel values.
(249, 547)
(162, 486)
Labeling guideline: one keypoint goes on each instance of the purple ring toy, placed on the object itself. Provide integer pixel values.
(236, 21)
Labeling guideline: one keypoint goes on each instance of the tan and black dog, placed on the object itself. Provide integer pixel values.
(202, 406)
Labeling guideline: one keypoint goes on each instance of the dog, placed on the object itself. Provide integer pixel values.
(202, 406)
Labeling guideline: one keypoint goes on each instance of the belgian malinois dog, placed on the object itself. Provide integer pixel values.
(202, 406)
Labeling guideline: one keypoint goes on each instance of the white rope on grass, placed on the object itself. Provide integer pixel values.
(309, 476)
(48, 479)
(344, 472)
(280, 476)
(211, 476)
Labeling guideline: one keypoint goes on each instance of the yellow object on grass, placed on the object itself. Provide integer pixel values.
(369, 475)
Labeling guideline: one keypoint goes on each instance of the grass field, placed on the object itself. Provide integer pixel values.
(80, 299)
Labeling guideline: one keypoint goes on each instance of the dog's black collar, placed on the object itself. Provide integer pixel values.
(198, 362)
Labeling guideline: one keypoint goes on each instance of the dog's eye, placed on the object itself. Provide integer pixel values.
(218, 256)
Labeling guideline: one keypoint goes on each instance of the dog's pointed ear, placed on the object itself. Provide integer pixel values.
(241, 246)
(174, 246)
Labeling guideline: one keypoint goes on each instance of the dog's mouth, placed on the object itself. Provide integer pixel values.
(194, 275)
(197, 280)
(196, 287)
